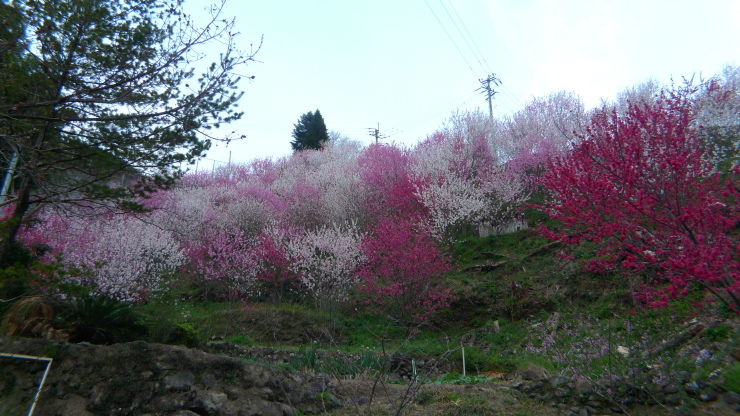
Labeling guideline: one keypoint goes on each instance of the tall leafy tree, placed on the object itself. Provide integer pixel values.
(310, 132)
(93, 89)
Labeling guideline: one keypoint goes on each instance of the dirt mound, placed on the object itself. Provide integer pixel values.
(150, 379)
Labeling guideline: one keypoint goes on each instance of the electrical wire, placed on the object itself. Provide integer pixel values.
(476, 56)
(450, 37)
(454, 9)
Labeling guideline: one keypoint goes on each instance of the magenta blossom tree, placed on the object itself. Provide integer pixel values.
(403, 272)
(388, 189)
(639, 189)
(275, 275)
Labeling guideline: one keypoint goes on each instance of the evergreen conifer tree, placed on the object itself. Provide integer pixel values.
(310, 132)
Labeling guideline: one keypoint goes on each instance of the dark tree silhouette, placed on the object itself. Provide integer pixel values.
(310, 132)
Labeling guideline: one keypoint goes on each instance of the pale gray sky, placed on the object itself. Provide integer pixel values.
(407, 64)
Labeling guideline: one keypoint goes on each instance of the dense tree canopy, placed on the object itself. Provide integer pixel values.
(310, 132)
(639, 190)
(94, 90)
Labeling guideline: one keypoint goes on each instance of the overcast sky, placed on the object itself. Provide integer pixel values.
(407, 64)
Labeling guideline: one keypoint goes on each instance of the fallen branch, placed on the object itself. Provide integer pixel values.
(485, 267)
(490, 253)
(490, 267)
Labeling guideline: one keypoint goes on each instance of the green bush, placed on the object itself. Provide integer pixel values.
(185, 334)
(101, 320)
(718, 334)
(457, 378)
(732, 378)
(240, 339)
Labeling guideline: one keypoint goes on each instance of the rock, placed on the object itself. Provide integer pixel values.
(334, 402)
(99, 394)
(558, 381)
(684, 376)
(185, 413)
(708, 396)
(673, 399)
(692, 387)
(533, 373)
(591, 410)
(211, 401)
(130, 379)
(583, 387)
(546, 397)
(561, 392)
(594, 404)
(179, 381)
(671, 388)
(731, 397)
(208, 380)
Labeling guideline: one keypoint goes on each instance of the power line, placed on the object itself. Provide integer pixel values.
(487, 67)
(450, 37)
(462, 36)
(421, 118)
(477, 52)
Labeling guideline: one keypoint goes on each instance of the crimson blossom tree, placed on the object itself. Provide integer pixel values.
(639, 189)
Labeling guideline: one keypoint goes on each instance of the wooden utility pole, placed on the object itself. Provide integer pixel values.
(375, 132)
(488, 91)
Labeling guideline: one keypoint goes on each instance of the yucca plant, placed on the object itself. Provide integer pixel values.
(101, 320)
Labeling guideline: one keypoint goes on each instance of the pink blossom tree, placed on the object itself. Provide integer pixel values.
(123, 257)
(459, 184)
(388, 189)
(223, 266)
(545, 128)
(326, 260)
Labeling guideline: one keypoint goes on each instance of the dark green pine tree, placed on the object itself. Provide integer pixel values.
(310, 132)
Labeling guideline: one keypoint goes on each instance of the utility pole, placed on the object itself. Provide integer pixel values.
(375, 132)
(488, 91)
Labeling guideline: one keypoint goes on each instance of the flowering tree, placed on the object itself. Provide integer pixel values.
(458, 183)
(717, 106)
(388, 188)
(319, 188)
(403, 271)
(639, 189)
(275, 274)
(545, 128)
(223, 265)
(326, 260)
(123, 257)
